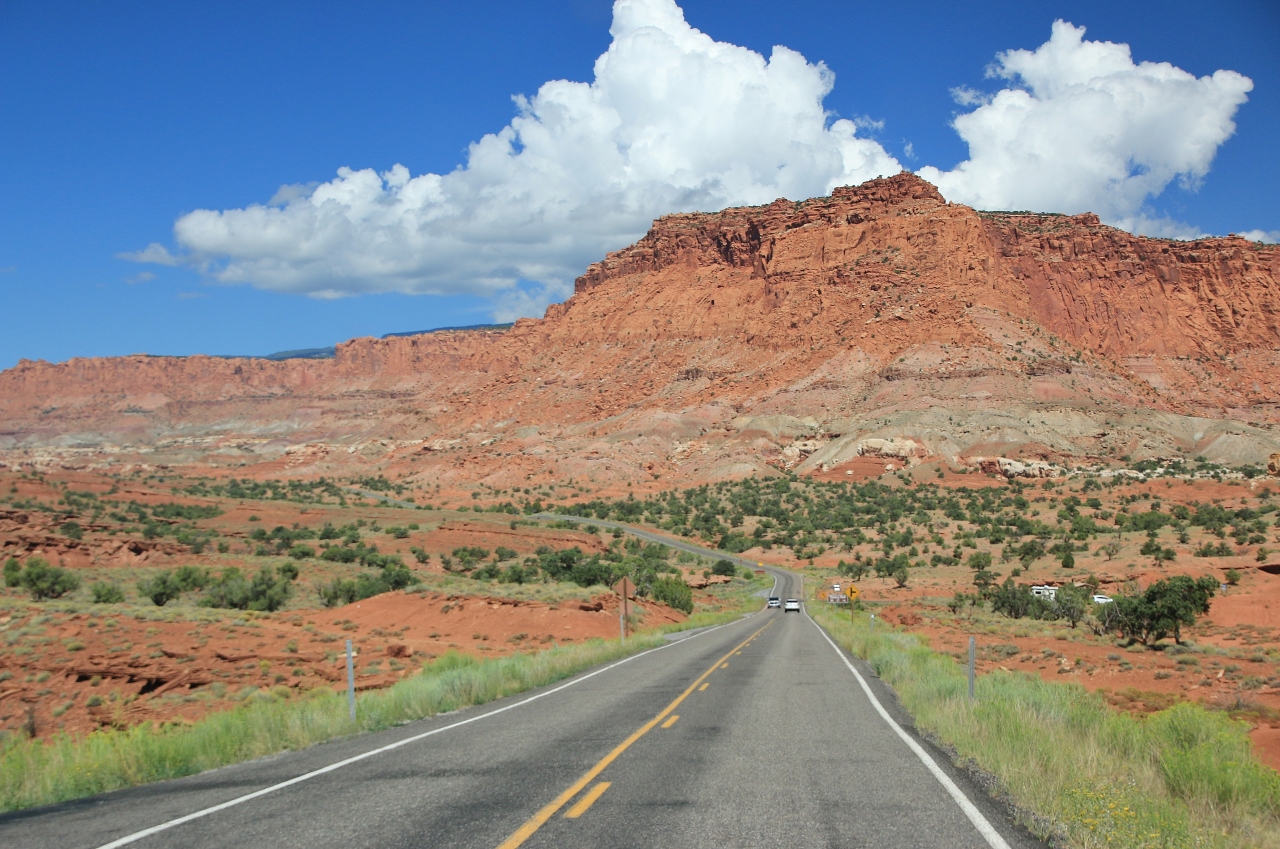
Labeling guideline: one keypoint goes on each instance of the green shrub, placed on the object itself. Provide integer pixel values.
(161, 588)
(724, 567)
(266, 591)
(44, 581)
(104, 593)
(12, 570)
(345, 591)
(673, 592)
(339, 554)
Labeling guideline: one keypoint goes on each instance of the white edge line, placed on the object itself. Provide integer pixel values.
(985, 828)
(239, 800)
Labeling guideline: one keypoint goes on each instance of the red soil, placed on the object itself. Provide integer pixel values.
(143, 670)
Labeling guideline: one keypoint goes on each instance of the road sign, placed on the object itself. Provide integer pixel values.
(625, 588)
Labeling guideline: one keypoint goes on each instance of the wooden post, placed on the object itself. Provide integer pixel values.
(973, 654)
(623, 588)
(351, 683)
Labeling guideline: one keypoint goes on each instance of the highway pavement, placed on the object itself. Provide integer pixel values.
(759, 733)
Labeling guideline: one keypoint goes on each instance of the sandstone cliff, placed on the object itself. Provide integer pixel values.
(717, 340)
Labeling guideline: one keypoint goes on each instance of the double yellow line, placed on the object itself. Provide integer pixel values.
(539, 819)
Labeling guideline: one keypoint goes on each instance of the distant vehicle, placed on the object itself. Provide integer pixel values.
(1045, 591)
(1102, 599)
(774, 601)
(792, 604)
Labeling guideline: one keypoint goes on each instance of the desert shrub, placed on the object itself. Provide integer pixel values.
(592, 571)
(673, 592)
(104, 593)
(420, 555)
(266, 591)
(342, 591)
(724, 567)
(12, 570)
(72, 530)
(302, 552)
(161, 588)
(1164, 608)
(520, 574)
(188, 578)
(338, 554)
(45, 582)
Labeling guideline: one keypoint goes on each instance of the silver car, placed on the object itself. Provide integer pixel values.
(790, 605)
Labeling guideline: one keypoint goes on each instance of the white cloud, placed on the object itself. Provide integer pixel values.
(140, 277)
(1271, 237)
(1083, 128)
(672, 121)
(675, 121)
(154, 253)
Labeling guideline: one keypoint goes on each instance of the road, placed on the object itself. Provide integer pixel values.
(757, 733)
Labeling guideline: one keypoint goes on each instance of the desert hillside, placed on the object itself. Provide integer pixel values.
(723, 344)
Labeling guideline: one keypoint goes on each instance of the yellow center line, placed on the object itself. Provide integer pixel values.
(703, 687)
(539, 819)
(587, 801)
(671, 721)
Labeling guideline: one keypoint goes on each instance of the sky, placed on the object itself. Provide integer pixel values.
(245, 178)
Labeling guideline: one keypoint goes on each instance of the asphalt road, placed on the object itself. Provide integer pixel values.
(756, 733)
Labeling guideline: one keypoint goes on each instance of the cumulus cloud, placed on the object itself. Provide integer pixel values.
(672, 121)
(676, 121)
(1271, 237)
(1084, 128)
(154, 253)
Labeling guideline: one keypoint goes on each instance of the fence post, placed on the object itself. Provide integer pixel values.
(351, 683)
(973, 653)
(872, 627)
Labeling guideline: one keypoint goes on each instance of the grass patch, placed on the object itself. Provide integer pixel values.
(1088, 775)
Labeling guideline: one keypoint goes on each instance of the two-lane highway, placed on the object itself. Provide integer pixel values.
(756, 733)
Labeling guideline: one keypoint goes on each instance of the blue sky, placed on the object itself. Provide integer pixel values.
(118, 120)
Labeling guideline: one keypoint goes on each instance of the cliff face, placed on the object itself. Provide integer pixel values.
(881, 309)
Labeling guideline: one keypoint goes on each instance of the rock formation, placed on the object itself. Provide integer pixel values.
(718, 341)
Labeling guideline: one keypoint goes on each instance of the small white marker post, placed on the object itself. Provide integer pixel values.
(351, 683)
(872, 626)
(973, 653)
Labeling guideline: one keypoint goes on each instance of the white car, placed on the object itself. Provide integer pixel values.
(774, 601)
(790, 605)
(1102, 599)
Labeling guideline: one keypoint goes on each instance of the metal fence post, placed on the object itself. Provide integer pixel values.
(351, 683)
(973, 654)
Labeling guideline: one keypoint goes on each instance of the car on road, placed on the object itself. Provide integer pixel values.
(790, 605)
(774, 601)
